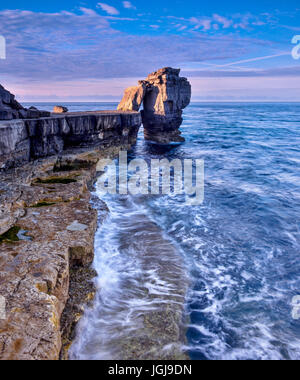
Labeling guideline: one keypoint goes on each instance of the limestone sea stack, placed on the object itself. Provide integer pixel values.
(133, 98)
(164, 95)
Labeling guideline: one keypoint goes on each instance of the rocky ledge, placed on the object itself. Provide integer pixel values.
(46, 248)
(24, 140)
(10, 109)
(47, 224)
(164, 95)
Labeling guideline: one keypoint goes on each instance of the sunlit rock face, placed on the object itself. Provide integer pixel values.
(133, 98)
(166, 94)
(60, 109)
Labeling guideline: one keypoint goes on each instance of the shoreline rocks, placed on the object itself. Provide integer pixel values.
(10, 109)
(47, 224)
(24, 140)
(30, 134)
(164, 95)
(46, 279)
(60, 109)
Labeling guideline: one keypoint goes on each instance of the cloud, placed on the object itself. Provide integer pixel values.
(108, 9)
(205, 24)
(51, 52)
(87, 11)
(245, 89)
(65, 45)
(247, 73)
(128, 5)
(154, 26)
(219, 22)
(225, 22)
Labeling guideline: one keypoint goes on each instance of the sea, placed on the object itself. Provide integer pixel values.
(240, 248)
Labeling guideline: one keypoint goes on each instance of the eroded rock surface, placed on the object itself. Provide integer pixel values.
(25, 140)
(40, 257)
(166, 94)
(133, 98)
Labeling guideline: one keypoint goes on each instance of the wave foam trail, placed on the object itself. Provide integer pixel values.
(137, 291)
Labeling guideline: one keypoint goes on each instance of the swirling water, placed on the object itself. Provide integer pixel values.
(240, 247)
(242, 244)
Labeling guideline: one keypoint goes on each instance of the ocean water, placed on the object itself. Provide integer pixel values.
(74, 107)
(239, 249)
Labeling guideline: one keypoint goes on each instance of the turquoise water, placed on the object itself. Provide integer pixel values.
(241, 246)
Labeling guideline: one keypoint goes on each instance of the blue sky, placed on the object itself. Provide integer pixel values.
(91, 50)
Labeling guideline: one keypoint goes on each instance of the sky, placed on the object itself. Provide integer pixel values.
(91, 51)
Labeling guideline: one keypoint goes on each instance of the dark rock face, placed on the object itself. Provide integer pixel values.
(29, 134)
(10, 109)
(25, 140)
(166, 95)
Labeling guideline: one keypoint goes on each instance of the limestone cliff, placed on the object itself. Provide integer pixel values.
(29, 139)
(164, 95)
(47, 224)
(49, 239)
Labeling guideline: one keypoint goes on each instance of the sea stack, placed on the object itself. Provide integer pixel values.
(164, 95)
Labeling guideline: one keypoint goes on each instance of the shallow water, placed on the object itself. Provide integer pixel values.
(240, 248)
(140, 279)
